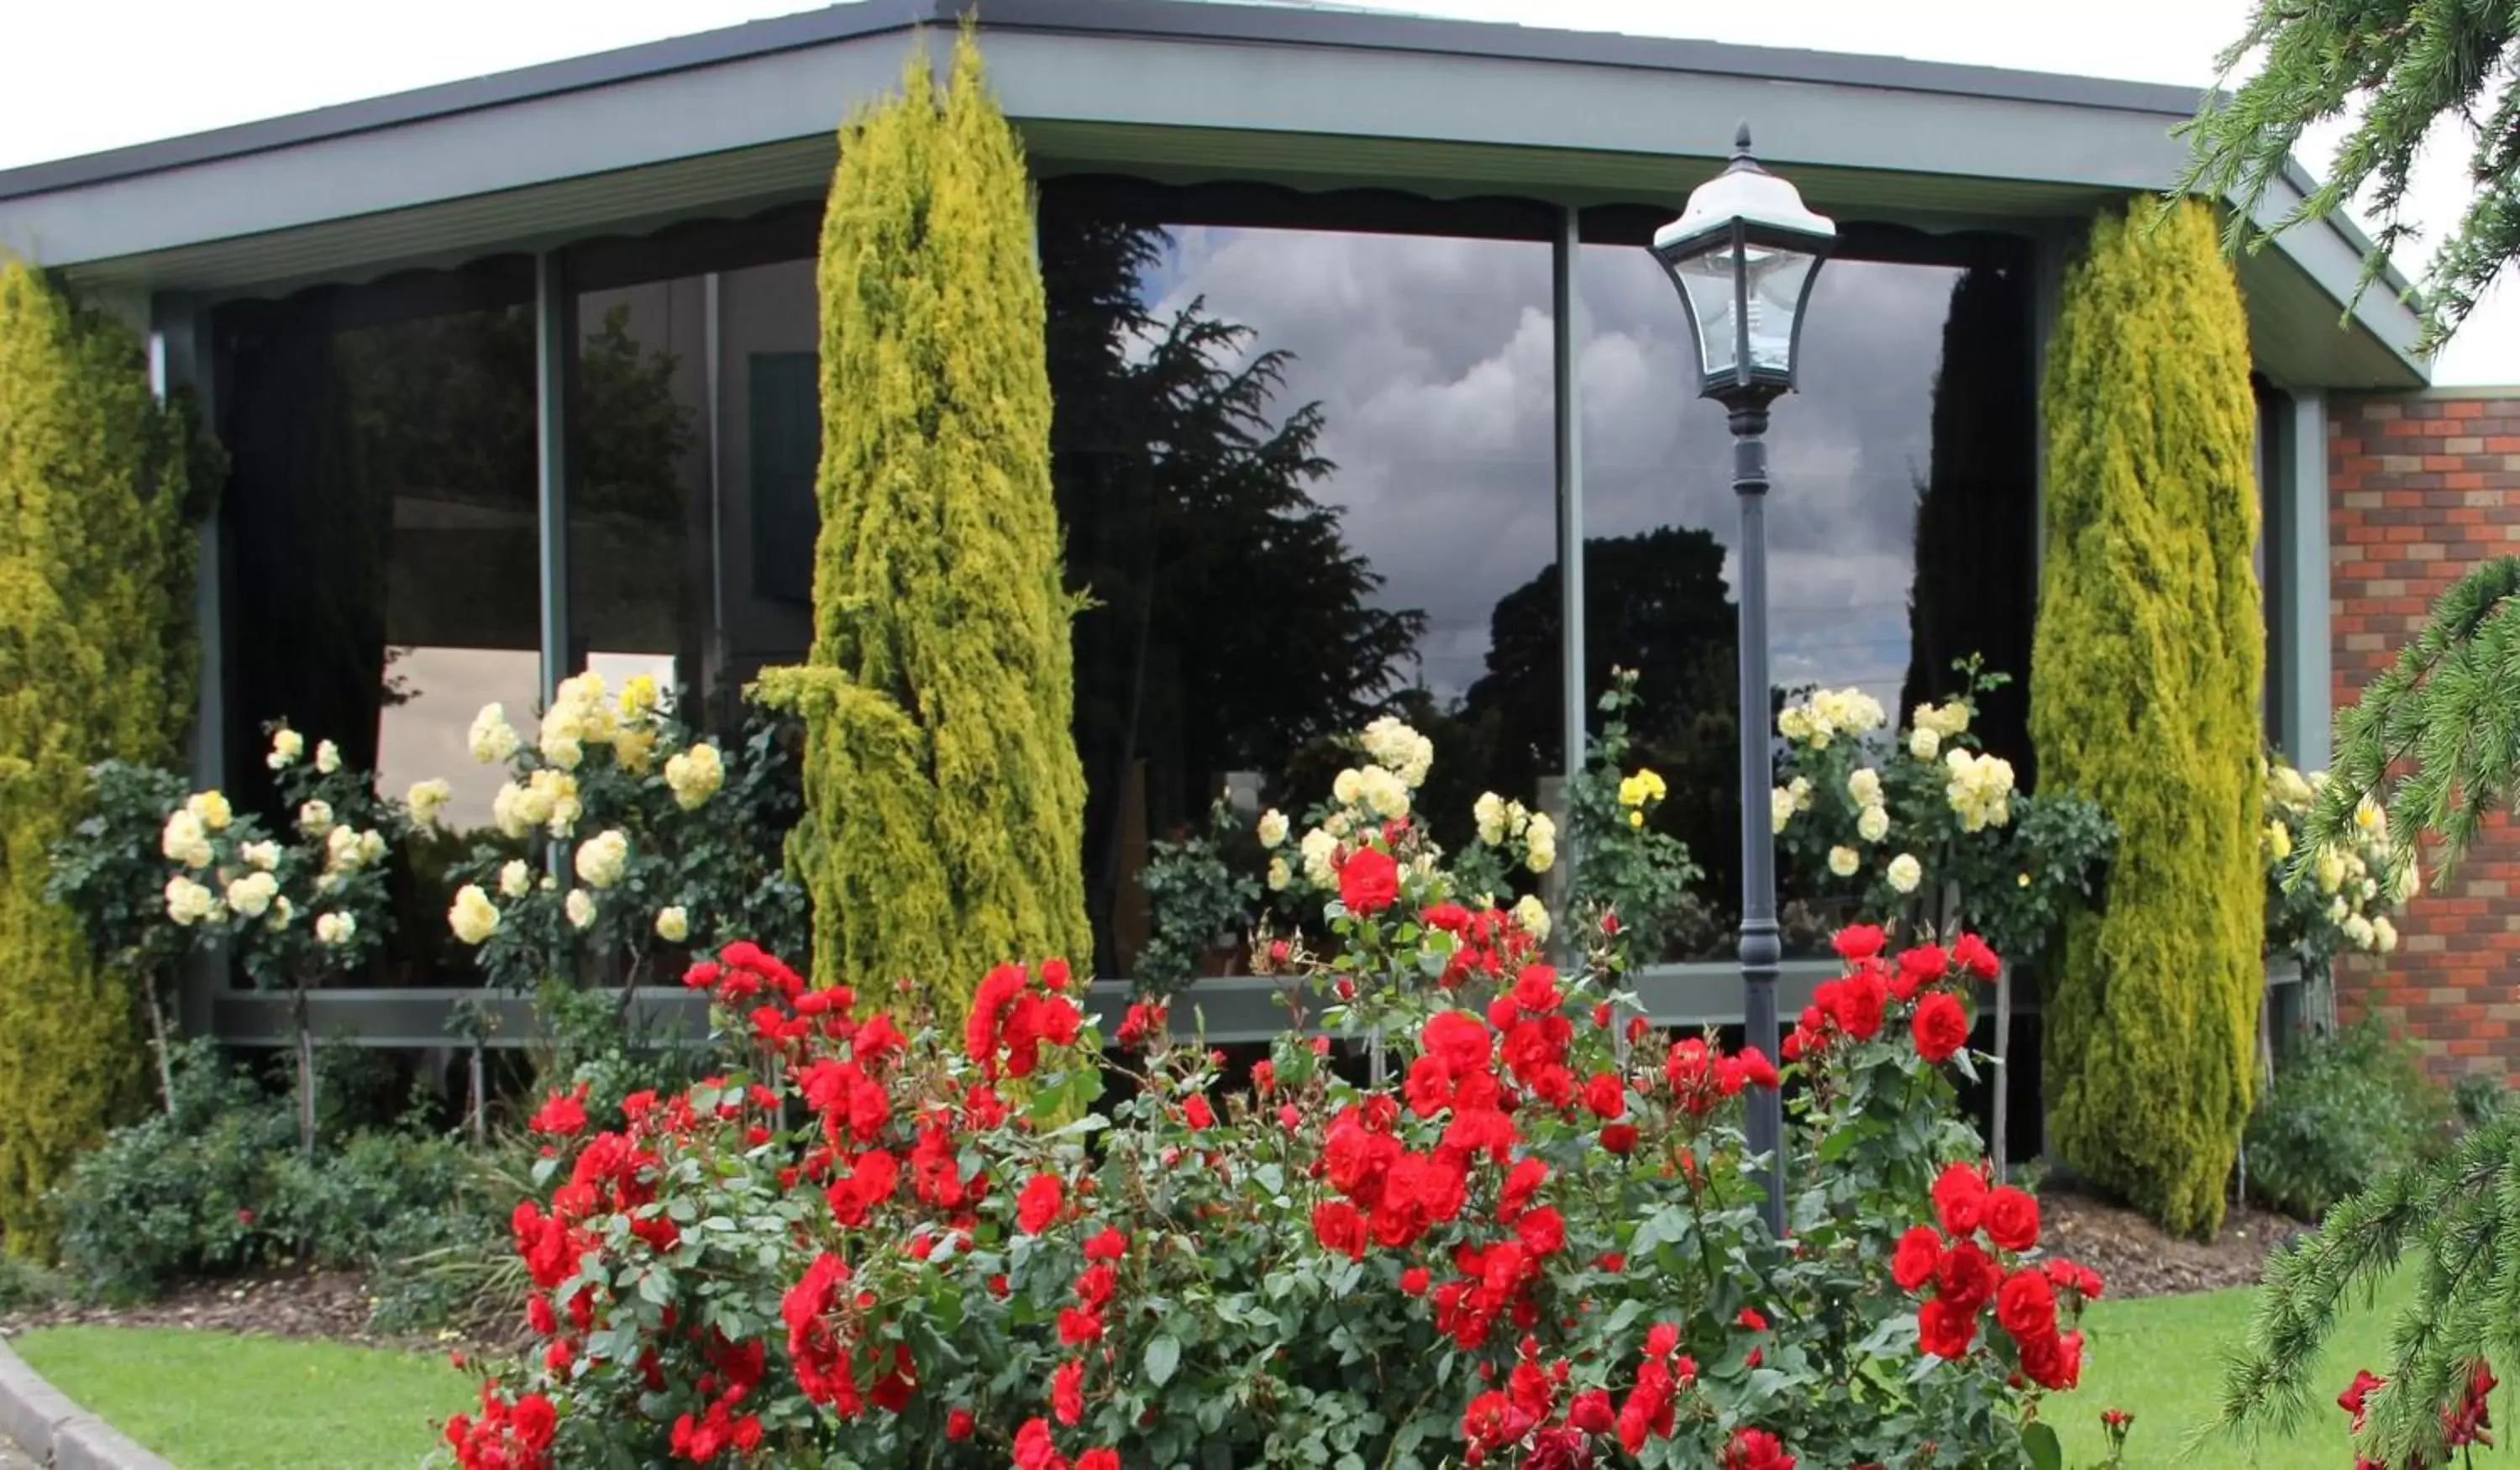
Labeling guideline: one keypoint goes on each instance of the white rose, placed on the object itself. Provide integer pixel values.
(341, 849)
(694, 775)
(426, 799)
(473, 917)
(1923, 742)
(315, 817)
(1843, 861)
(1781, 807)
(262, 855)
(187, 902)
(492, 738)
(1905, 872)
(2329, 867)
(252, 894)
(1864, 783)
(1873, 823)
(580, 908)
(673, 925)
(184, 841)
(282, 912)
(327, 758)
(515, 878)
(1533, 916)
(334, 928)
(1801, 787)
(287, 745)
(2384, 934)
(1488, 812)
(1319, 848)
(1384, 793)
(1347, 786)
(563, 750)
(2359, 932)
(211, 808)
(601, 859)
(1279, 875)
(1272, 827)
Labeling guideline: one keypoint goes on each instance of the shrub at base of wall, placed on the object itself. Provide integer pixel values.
(2148, 659)
(97, 485)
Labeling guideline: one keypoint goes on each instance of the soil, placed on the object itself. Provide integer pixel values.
(331, 1305)
(2135, 1258)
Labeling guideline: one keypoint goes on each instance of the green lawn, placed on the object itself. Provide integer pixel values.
(210, 1400)
(2162, 1359)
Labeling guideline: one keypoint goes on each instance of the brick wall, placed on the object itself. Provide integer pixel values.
(2421, 488)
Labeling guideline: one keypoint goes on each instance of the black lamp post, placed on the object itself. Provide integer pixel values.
(1745, 254)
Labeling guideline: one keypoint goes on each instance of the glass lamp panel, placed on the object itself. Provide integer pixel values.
(1775, 281)
(1707, 282)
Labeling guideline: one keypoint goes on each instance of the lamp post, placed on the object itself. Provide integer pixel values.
(1745, 254)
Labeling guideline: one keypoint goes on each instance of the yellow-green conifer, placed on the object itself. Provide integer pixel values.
(944, 799)
(2147, 667)
(96, 594)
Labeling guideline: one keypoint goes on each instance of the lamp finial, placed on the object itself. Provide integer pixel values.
(1741, 141)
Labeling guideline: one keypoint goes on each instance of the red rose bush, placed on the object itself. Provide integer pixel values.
(1476, 1211)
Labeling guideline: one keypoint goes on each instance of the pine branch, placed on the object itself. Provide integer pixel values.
(2443, 722)
(2410, 65)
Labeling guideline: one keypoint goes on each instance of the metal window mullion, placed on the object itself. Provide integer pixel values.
(2307, 714)
(551, 499)
(176, 362)
(1567, 328)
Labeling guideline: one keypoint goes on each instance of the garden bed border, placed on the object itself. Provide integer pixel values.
(46, 1424)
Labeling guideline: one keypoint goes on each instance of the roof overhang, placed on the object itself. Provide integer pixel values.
(740, 118)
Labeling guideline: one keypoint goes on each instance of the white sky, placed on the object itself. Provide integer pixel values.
(101, 73)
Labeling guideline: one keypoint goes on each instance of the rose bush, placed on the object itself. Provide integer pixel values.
(906, 1239)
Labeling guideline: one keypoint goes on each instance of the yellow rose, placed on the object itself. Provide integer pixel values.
(473, 917)
(673, 925)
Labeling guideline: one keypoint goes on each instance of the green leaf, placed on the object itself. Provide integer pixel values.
(2039, 1441)
(1164, 1359)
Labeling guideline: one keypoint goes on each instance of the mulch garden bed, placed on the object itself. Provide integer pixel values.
(2136, 1260)
(329, 1304)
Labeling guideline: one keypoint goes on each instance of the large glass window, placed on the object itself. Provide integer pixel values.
(1305, 464)
(381, 539)
(1900, 524)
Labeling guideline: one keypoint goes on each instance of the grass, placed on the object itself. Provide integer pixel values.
(211, 1401)
(2162, 1359)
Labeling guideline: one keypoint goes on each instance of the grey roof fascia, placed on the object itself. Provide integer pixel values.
(1140, 19)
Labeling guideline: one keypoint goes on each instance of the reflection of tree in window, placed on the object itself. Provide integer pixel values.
(1974, 560)
(1656, 603)
(627, 435)
(1228, 623)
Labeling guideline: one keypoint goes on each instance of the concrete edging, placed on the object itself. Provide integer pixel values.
(57, 1432)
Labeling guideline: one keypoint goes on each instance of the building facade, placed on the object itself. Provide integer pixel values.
(1366, 389)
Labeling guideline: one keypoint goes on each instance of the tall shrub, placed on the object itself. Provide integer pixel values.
(944, 800)
(96, 589)
(2148, 657)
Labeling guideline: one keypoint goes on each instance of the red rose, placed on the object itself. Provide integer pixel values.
(1941, 1027)
(1067, 1392)
(2053, 1362)
(1619, 1138)
(1039, 1203)
(2011, 1219)
(2356, 1393)
(1919, 967)
(1919, 1252)
(1966, 1277)
(1960, 1198)
(2026, 1306)
(1339, 1227)
(1755, 1069)
(1197, 1113)
(1662, 1339)
(1368, 881)
(1108, 1245)
(1750, 1317)
(1861, 998)
(1461, 1038)
(1858, 941)
(1034, 1449)
(1756, 1449)
(1971, 954)
(1543, 1231)
(1054, 974)
(1536, 988)
(1605, 1094)
(1591, 1412)
(1943, 1330)
(1098, 1459)
(1414, 1281)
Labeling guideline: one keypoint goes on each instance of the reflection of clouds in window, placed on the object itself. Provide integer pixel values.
(1847, 451)
(1431, 361)
(426, 735)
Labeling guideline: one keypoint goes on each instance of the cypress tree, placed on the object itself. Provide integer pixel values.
(96, 591)
(2149, 653)
(945, 803)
